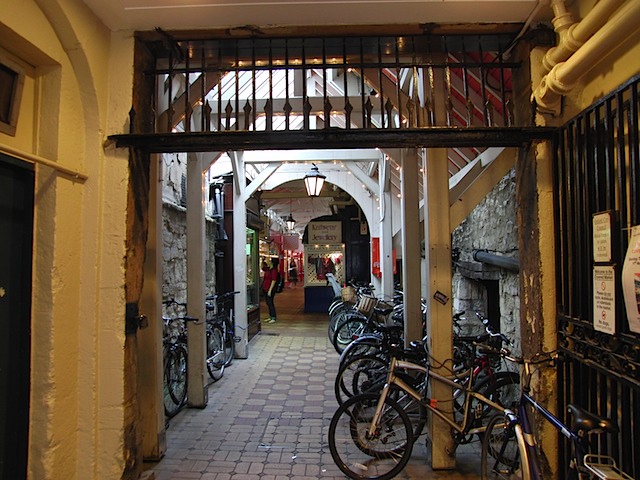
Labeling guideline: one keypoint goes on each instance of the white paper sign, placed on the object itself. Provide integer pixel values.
(604, 300)
(631, 280)
(602, 237)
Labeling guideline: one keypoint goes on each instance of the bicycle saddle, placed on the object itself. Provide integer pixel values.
(587, 421)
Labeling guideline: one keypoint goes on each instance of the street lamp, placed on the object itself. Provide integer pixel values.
(314, 181)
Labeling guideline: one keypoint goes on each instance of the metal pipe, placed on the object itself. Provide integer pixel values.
(508, 263)
(572, 35)
(563, 77)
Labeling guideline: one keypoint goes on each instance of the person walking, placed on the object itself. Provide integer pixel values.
(269, 287)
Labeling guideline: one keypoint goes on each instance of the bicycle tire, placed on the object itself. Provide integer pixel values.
(366, 345)
(353, 326)
(503, 389)
(500, 457)
(229, 343)
(363, 374)
(337, 316)
(215, 352)
(359, 457)
(175, 376)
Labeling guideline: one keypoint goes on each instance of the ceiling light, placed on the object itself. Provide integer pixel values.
(314, 181)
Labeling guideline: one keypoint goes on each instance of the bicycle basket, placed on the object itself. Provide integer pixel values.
(349, 294)
(365, 305)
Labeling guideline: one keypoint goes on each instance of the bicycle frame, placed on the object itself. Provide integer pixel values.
(531, 468)
(430, 403)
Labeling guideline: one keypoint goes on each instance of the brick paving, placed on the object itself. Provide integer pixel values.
(267, 418)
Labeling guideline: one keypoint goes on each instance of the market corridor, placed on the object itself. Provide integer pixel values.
(268, 416)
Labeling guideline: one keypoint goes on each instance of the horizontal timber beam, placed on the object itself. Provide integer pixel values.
(433, 137)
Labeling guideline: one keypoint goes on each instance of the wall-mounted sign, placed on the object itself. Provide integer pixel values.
(631, 280)
(324, 232)
(604, 300)
(602, 237)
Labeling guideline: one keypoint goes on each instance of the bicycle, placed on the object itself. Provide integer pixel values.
(510, 450)
(220, 333)
(174, 360)
(369, 313)
(341, 307)
(371, 435)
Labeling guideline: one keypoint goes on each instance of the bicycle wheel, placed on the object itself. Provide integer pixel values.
(336, 316)
(352, 327)
(215, 352)
(229, 343)
(175, 378)
(500, 455)
(370, 344)
(362, 456)
(364, 374)
(503, 389)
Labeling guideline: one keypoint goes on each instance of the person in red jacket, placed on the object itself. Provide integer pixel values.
(269, 287)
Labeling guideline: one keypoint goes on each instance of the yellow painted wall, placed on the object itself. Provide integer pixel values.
(78, 92)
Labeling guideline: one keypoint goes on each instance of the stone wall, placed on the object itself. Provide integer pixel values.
(174, 253)
(492, 226)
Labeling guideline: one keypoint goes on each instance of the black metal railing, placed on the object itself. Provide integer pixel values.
(390, 82)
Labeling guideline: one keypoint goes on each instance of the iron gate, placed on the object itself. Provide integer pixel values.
(598, 173)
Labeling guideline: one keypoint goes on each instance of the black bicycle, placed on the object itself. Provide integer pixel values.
(510, 450)
(175, 359)
(221, 338)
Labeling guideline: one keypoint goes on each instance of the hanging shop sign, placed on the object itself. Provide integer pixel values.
(631, 280)
(324, 232)
(604, 299)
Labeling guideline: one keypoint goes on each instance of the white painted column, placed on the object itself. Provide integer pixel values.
(385, 204)
(240, 256)
(411, 278)
(150, 374)
(438, 278)
(197, 393)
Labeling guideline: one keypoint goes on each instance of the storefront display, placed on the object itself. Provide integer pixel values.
(323, 259)
(253, 281)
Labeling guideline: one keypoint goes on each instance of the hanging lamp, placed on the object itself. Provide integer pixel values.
(314, 181)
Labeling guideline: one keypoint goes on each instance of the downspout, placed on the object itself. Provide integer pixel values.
(564, 75)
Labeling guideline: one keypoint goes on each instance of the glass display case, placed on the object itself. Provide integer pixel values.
(253, 276)
(253, 282)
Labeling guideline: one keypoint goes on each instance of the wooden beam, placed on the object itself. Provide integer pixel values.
(434, 137)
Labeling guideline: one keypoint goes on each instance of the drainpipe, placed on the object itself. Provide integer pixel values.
(563, 77)
(508, 263)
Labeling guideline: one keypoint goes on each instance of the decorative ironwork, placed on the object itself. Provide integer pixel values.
(339, 75)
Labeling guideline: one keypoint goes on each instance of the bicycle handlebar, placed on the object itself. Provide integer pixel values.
(537, 359)
(217, 297)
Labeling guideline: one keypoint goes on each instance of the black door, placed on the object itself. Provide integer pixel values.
(16, 234)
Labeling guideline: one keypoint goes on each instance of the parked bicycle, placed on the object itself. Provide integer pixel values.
(510, 450)
(175, 358)
(220, 333)
(371, 435)
(346, 303)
